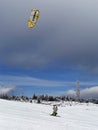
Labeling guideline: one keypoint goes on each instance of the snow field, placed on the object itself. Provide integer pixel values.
(31, 116)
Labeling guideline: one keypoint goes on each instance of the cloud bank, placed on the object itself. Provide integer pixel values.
(6, 90)
(85, 93)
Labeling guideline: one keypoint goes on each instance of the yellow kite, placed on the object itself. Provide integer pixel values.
(33, 18)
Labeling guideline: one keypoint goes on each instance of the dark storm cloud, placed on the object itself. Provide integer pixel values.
(66, 33)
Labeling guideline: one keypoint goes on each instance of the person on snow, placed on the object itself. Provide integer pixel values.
(55, 108)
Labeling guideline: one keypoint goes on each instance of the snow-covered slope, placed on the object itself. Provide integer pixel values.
(32, 116)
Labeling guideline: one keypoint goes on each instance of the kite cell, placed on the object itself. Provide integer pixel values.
(33, 18)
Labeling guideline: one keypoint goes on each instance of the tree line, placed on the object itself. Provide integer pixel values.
(40, 98)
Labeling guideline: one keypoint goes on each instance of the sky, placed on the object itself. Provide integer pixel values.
(49, 58)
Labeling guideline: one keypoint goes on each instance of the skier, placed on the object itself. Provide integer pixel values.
(55, 108)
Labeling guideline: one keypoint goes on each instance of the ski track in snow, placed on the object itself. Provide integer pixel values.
(31, 116)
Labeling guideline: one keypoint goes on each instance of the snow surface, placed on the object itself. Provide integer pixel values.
(32, 116)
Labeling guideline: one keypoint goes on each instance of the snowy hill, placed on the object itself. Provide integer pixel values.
(32, 116)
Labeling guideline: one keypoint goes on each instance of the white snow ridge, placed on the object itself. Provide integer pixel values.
(32, 116)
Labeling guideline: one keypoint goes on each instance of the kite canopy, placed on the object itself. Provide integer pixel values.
(33, 18)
